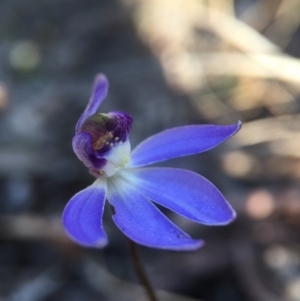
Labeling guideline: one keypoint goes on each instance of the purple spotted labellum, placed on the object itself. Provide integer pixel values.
(102, 143)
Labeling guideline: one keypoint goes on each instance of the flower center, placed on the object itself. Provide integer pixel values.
(100, 127)
(109, 140)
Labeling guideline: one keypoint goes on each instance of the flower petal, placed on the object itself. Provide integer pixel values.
(99, 93)
(82, 217)
(142, 222)
(184, 192)
(82, 147)
(181, 141)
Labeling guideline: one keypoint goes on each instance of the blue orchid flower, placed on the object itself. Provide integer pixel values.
(102, 144)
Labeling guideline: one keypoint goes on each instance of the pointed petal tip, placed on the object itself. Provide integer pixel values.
(100, 87)
(192, 245)
(233, 129)
(100, 244)
(228, 220)
(238, 126)
(232, 219)
(100, 78)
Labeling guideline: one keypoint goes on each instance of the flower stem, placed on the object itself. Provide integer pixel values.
(140, 271)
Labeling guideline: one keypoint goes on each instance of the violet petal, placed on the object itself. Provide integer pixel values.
(82, 217)
(82, 147)
(184, 192)
(142, 222)
(181, 141)
(99, 93)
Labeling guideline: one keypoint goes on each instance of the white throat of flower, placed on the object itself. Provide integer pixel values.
(118, 158)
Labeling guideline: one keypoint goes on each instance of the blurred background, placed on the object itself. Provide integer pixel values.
(170, 63)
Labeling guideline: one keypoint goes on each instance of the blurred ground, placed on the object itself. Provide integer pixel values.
(170, 63)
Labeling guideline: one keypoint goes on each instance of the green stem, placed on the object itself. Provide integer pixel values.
(140, 271)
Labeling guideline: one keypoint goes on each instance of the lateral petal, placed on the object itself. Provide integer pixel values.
(181, 141)
(183, 192)
(82, 217)
(142, 222)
